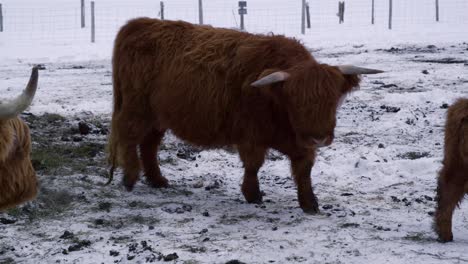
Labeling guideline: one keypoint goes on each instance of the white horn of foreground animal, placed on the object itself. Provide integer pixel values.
(275, 77)
(12, 108)
(354, 70)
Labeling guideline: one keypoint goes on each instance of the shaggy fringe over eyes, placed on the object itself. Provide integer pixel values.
(316, 82)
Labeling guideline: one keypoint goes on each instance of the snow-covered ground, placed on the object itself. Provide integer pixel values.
(375, 183)
(376, 200)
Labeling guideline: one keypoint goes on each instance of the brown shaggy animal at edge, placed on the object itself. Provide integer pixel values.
(453, 178)
(218, 87)
(18, 182)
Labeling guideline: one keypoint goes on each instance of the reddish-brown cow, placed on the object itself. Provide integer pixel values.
(215, 87)
(17, 176)
(453, 178)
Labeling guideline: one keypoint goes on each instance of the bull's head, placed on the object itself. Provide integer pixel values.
(17, 176)
(312, 93)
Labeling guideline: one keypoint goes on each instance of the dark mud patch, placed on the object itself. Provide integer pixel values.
(442, 61)
(413, 155)
(114, 223)
(395, 88)
(80, 66)
(60, 147)
(412, 49)
(79, 245)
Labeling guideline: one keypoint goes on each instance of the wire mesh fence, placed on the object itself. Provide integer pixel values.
(60, 21)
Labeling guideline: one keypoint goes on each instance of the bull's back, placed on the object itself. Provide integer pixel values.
(180, 73)
(195, 79)
(456, 133)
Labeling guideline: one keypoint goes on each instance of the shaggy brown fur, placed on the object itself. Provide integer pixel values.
(196, 81)
(18, 182)
(453, 178)
(17, 176)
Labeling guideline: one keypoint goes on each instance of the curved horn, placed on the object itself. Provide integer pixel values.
(275, 77)
(354, 70)
(10, 109)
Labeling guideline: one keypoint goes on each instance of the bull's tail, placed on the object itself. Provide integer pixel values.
(112, 158)
(112, 150)
(113, 142)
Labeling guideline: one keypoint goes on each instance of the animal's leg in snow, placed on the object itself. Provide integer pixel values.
(253, 158)
(450, 191)
(131, 133)
(131, 166)
(149, 150)
(301, 168)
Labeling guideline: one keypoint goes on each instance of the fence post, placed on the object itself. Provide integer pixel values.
(200, 12)
(242, 12)
(341, 8)
(82, 13)
(303, 17)
(162, 9)
(1, 18)
(93, 25)
(342, 11)
(437, 10)
(390, 14)
(372, 20)
(339, 13)
(308, 15)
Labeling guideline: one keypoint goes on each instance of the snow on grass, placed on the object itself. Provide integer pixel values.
(375, 183)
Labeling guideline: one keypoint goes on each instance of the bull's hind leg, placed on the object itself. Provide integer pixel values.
(148, 150)
(301, 168)
(253, 158)
(131, 166)
(130, 134)
(450, 191)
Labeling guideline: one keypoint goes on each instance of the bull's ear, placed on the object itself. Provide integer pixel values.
(268, 77)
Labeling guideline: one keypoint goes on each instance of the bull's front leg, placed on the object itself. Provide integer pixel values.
(253, 158)
(450, 191)
(301, 167)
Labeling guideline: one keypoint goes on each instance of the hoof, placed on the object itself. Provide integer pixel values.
(128, 184)
(160, 182)
(254, 197)
(255, 200)
(445, 238)
(310, 206)
(443, 228)
(129, 187)
(311, 211)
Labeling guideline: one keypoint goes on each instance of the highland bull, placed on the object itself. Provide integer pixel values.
(453, 178)
(215, 87)
(17, 176)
